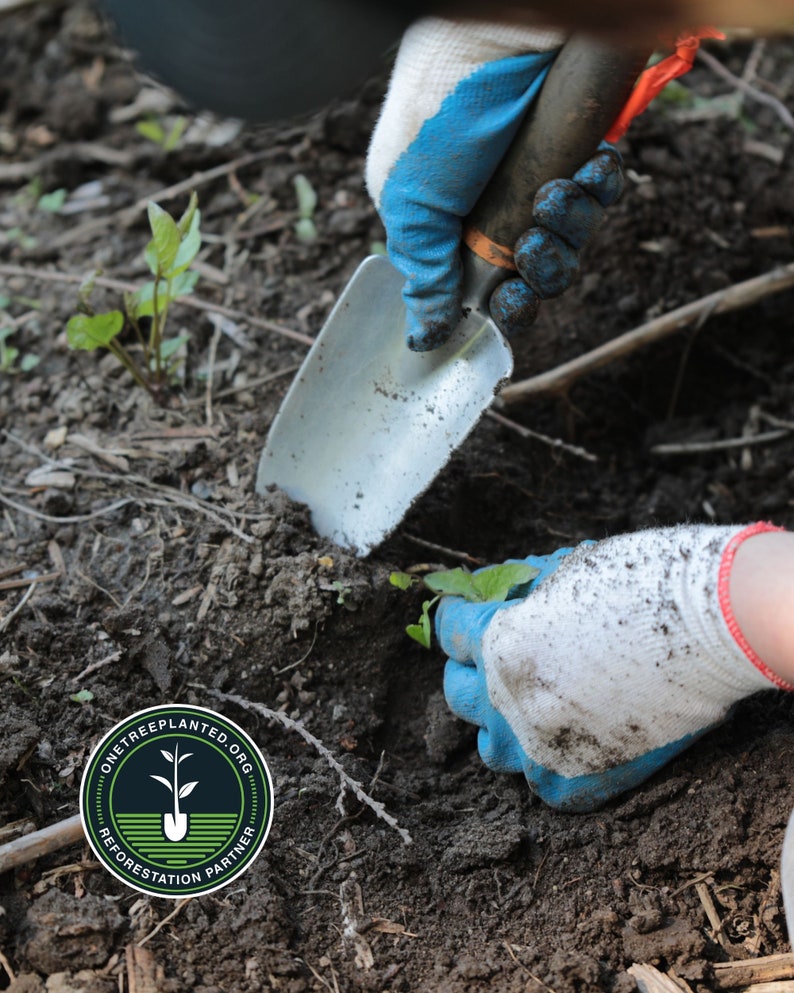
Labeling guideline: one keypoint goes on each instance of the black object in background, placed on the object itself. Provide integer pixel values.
(257, 59)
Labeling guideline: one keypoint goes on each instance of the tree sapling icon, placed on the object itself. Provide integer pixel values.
(175, 824)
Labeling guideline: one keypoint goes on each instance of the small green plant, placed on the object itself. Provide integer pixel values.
(492, 585)
(169, 255)
(8, 352)
(305, 228)
(154, 129)
(9, 355)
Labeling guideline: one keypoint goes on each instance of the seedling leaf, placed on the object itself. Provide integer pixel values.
(172, 346)
(401, 580)
(421, 632)
(188, 248)
(95, 331)
(163, 248)
(187, 789)
(166, 755)
(82, 696)
(453, 582)
(185, 756)
(165, 782)
(495, 583)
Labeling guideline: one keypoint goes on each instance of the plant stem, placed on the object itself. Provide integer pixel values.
(123, 356)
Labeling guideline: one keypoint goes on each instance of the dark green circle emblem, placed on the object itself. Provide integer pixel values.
(176, 801)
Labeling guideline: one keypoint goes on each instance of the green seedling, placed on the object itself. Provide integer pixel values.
(305, 228)
(169, 255)
(82, 696)
(492, 585)
(167, 139)
(9, 355)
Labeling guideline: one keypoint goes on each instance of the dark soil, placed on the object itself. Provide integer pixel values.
(194, 584)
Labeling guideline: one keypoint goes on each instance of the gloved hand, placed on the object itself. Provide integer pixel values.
(622, 654)
(457, 96)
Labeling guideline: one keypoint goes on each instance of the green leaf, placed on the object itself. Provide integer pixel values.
(8, 357)
(188, 248)
(185, 222)
(495, 583)
(151, 129)
(306, 230)
(455, 582)
(421, 632)
(29, 362)
(141, 303)
(307, 198)
(172, 345)
(401, 580)
(82, 696)
(165, 239)
(85, 290)
(178, 128)
(97, 331)
(51, 203)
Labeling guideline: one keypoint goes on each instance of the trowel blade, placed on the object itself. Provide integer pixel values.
(367, 424)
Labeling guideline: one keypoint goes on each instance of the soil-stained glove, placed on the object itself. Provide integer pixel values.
(459, 91)
(622, 654)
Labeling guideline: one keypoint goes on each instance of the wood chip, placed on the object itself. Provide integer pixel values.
(770, 968)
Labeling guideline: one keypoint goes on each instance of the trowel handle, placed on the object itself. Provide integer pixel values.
(586, 88)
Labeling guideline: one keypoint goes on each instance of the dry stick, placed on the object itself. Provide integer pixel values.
(52, 276)
(291, 725)
(44, 842)
(525, 432)
(15, 172)
(129, 214)
(694, 447)
(739, 295)
(747, 88)
(770, 968)
(6, 621)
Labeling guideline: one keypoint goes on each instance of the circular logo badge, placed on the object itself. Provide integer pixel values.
(176, 801)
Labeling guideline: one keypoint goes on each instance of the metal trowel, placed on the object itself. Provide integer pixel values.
(367, 424)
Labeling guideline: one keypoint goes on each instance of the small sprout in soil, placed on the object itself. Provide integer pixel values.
(82, 696)
(9, 355)
(305, 228)
(155, 131)
(342, 591)
(169, 255)
(492, 585)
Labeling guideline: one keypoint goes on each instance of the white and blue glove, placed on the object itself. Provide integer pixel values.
(621, 655)
(459, 92)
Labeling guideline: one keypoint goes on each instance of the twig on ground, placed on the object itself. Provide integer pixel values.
(15, 584)
(442, 550)
(252, 384)
(72, 519)
(722, 444)
(273, 715)
(52, 276)
(6, 621)
(44, 842)
(7, 967)
(169, 917)
(525, 432)
(113, 657)
(710, 910)
(130, 214)
(745, 87)
(560, 379)
(650, 980)
(86, 151)
(746, 972)
(166, 497)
